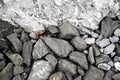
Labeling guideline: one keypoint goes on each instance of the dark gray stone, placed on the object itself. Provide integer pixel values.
(15, 42)
(18, 70)
(96, 50)
(1, 56)
(27, 52)
(78, 78)
(91, 56)
(79, 58)
(68, 31)
(65, 65)
(7, 72)
(51, 59)
(2, 65)
(15, 58)
(24, 36)
(94, 74)
(40, 50)
(116, 76)
(108, 75)
(61, 47)
(80, 71)
(17, 77)
(41, 70)
(79, 43)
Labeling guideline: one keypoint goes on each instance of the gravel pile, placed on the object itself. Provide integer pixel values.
(61, 53)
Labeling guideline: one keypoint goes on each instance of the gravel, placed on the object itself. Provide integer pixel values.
(91, 56)
(104, 66)
(109, 49)
(90, 40)
(117, 65)
(117, 32)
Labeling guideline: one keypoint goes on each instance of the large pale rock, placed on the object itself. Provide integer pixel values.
(33, 14)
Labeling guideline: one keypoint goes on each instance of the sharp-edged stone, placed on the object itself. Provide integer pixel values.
(2, 65)
(116, 76)
(117, 65)
(104, 66)
(91, 56)
(81, 71)
(24, 36)
(18, 70)
(109, 49)
(17, 77)
(108, 75)
(114, 39)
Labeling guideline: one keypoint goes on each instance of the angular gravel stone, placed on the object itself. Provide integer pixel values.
(117, 65)
(79, 58)
(24, 36)
(109, 75)
(116, 59)
(85, 51)
(2, 65)
(15, 58)
(90, 40)
(53, 30)
(61, 47)
(68, 31)
(65, 65)
(117, 49)
(56, 76)
(78, 78)
(96, 50)
(40, 50)
(15, 42)
(94, 35)
(116, 76)
(99, 38)
(114, 39)
(3, 44)
(51, 59)
(91, 56)
(111, 63)
(1, 56)
(110, 48)
(7, 72)
(32, 35)
(27, 52)
(107, 27)
(18, 70)
(80, 71)
(104, 66)
(17, 77)
(112, 54)
(79, 43)
(93, 74)
(41, 70)
(104, 42)
(117, 32)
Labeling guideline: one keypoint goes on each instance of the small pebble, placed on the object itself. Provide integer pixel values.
(32, 35)
(104, 66)
(93, 34)
(85, 36)
(90, 40)
(117, 32)
(111, 63)
(109, 49)
(112, 54)
(114, 39)
(117, 65)
(85, 51)
(101, 50)
(99, 38)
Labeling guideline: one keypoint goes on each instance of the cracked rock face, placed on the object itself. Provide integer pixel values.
(33, 14)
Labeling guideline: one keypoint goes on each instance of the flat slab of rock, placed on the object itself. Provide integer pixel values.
(2, 65)
(41, 70)
(94, 74)
(68, 31)
(17, 44)
(61, 47)
(79, 43)
(79, 58)
(65, 65)
(40, 49)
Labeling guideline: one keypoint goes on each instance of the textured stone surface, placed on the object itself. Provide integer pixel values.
(40, 70)
(104, 66)
(18, 70)
(79, 43)
(78, 78)
(93, 74)
(40, 49)
(17, 77)
(116, 76)
(114, 39)
(79, 58)
(80, 71)
(61, 47)
(110, 48)
(90, 40)
(109, 75)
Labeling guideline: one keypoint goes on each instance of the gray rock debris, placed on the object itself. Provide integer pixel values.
(117, 46)
(17, 77)
(114, 39)
(18, 70)
(109, 75)
(17, 44)
(40, 50)
(2, 65)
(61, 47)
(27, 52)
(68, 31)
(90, 40)
(112, 54)
(117, 32)
(117, 65)
(116, 76)
(111, 63)
(79, 43)
(96, 50)
(66, 65)
(104, 66)
(41, 70)
(80, 71)
(79, 58)
(53, 30)
(24, 36)
(109, 49)
(91, 56)
(93, 74)
(78, 78)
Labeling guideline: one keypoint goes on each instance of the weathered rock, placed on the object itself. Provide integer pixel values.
(109, 75)
(116, 76)
(27, 52)
(117, 32)
(18, 30)
(90, 40)
(53, 30)
(84, 36)
(33, 35)
(79, 58)
(40, 50)
(68, 31)
(117, 65)
(104, 66)
(112, 54)
(17, 77)
(91, 56)
(111, 63)
(7, 72)
(116, 59)
(99, 38)
(24, 36)
(110, 48)
(114, 39)
(1, 56)
(65, 65)
(94, 35)
(18, 70)
(78, 78)
(117, 49)
(61, 47)
(2, 65)
(51, 59)
(15, 42)
(96, 50)
(24, 76)
(41, 70)
(80, 71)
(3, 44)
(93, 74)
(15, 58)
(79, 43)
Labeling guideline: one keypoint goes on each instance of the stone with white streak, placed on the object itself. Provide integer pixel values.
(104, 66)
(117, 65)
